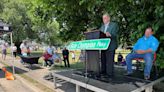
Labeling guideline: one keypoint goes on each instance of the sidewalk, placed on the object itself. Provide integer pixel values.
(12, 85)
(37, 74)
(1, 90)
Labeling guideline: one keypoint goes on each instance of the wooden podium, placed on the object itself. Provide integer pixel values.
(93, 57)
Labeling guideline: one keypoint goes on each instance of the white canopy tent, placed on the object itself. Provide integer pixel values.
(6, 29)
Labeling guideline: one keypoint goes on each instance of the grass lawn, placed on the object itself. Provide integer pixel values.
(79, 65)
(74, 64)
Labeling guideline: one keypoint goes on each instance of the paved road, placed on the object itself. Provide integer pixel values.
(1, 76)
(38, 73)
(1, 89)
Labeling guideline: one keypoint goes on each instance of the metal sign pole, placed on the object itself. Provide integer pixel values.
(11, 38)
(86, 66)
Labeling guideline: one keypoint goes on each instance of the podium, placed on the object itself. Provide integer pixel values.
(93, 57)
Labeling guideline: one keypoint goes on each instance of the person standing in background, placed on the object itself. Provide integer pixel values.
(65, 54)
(28, 51)
(14, 50)
(82, 56)
(4, 51)
(120, 58)
(73, 56)
(50, 50)
(23, 48)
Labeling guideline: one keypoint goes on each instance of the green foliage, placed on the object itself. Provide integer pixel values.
(14, 13)
(160, 59)
(74, 17)
(133, 16)
(1, 5)
(29, 20)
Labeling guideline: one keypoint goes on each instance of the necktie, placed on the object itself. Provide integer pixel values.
(106, 26)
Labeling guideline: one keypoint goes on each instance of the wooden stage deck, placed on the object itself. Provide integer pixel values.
(119, 83)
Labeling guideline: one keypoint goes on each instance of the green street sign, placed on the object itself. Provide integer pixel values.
(95, 44)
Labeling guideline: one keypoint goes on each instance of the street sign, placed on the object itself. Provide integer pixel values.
(95, 44)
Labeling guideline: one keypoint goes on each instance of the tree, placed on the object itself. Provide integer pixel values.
(29, 21)
(14, 13)
(1, 5)
(73, 16)
(43, 23)
(76, 16)
(133, 16)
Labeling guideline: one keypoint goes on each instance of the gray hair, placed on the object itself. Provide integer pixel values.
(106, 14)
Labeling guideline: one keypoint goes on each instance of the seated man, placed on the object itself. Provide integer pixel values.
(145, 47)
(56, 58)
(47, 58)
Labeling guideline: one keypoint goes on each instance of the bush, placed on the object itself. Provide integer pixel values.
(160, 59)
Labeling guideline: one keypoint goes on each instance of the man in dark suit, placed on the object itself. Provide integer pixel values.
(107, 57)
(65, 53)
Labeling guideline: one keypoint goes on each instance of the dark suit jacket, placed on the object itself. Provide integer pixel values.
(113, 29)
(65, 53)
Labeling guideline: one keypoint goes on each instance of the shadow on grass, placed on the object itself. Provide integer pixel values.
(33, 67)
(2, 74)
(75, 65)
(17, 70)
(159, 87)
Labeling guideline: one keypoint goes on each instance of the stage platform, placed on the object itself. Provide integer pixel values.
(119, 83)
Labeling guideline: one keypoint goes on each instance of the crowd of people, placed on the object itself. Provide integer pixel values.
(4, 47)
(49, 55)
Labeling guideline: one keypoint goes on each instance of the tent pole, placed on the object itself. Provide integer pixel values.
(11, 38)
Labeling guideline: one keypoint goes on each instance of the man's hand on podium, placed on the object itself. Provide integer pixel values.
(108, 34)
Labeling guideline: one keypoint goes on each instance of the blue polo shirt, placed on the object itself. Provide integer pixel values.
(145, 43)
